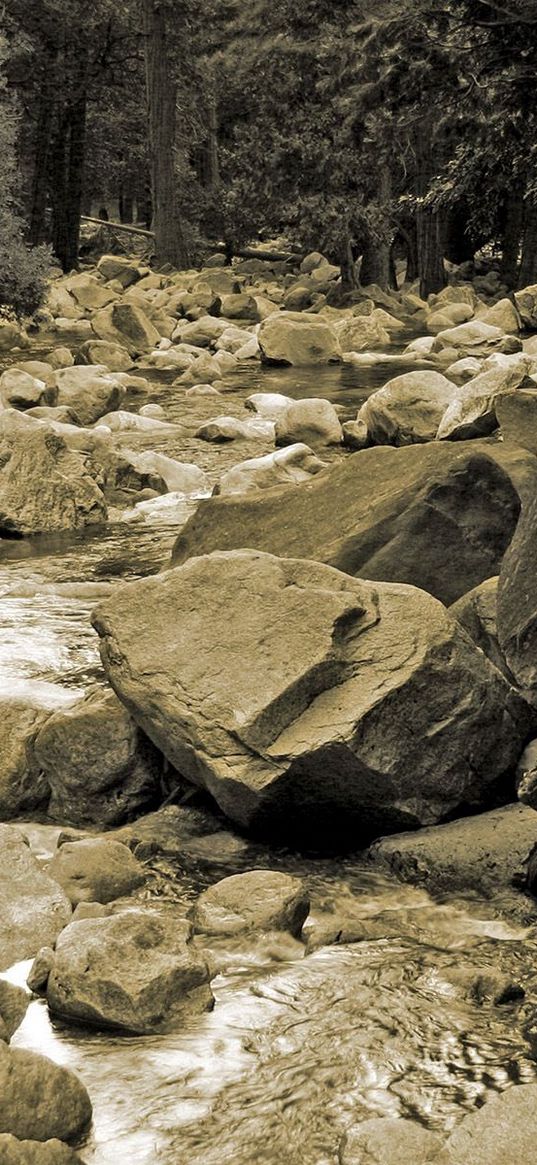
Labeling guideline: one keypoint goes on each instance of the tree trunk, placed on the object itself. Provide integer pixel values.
(45, 121)
(459, 245)
(430, 223)
(528, 265)
(432, 273)
(75, 172)
(349, 281)
(170, 244)
(68, 153)
(511, 237)
(375, 266)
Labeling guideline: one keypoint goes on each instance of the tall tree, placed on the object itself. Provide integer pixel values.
(170, 243)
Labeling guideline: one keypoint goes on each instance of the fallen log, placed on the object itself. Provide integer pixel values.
(220, 248)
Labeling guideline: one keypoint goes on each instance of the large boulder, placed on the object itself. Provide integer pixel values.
(409, 408)
(472, 410)
(33, 908)
(22, 390)
(504, 315)
(45, 487)
(502, 1132)
(13, 1007)
(136, 971)
(180, 476)
(313, 421)
(113, 356)
(256, 900)
(115, 267)
(475, 338)
(53, 1152)
(289, 466)
(98, 766)
(516, 412)
(486, 854)
(526, 302)
(517, 601)
(96, 870)
(476, 612)
(89, 292)
(88, 396)
(362, 334)
(293, 338)
(40, 1100)
(23, 784)
(390, 1141)
(438, 516)
(127, 325)
(286, 688)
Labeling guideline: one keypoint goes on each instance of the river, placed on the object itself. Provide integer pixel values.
(298, 1049)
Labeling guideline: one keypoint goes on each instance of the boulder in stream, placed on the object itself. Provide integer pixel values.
(487, 853)
(290, 466)
(255, 900)
(288, 337)
(437, 516)
(44, 486)
(408, 409)
(99, 767)
(286, 689)
(127, 325)
(40, 1100)
(33, 908)
(136, 971)
(390, 1141)
(313, 421)
(96, 870)
(53, 1152)
(502, 1132)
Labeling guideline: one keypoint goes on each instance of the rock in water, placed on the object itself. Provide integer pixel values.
(308, 702)
(408, 410)
(135, 971)
(289, 337)
(98, 765)
(96, 870)
(439, 517)
(54, 1152)
(45, 487)
(38, 1099)
(256, 900)
(33, 908)
(502, 1132)
(517, 600)
(385, 1141)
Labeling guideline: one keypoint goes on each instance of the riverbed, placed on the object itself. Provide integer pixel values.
(299, 1047)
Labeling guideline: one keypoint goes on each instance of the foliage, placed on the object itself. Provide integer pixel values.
(23, 269)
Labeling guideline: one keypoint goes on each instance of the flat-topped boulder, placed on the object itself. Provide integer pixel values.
(44, 486)
(486, 853)
(438, 516)
(288, 337)
(286, 689)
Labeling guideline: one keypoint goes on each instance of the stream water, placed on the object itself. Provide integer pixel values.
(298, 1049)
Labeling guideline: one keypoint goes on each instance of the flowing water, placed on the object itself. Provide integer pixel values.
(299, 1047)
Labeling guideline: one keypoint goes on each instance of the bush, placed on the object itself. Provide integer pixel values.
(23, 269)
